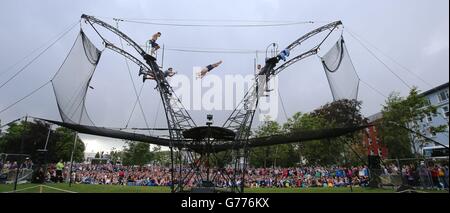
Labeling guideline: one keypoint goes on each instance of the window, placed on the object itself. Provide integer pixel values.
(443, 96)
(429, 118)
(445, 110)
(433, 133)
(437, 151)
(380, 153)
(367, 132)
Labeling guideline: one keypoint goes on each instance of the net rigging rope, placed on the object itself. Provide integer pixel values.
(389, 57)
(134, 89)
(36, 49)
(26, 96)
(205, 20)
(282, 106)
(217, 25)
(134, 107)
(230, 51)
(373, 88)
(157, 113)
(40, 54)
(379, 60)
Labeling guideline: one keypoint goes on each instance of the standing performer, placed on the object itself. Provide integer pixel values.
(154, 45)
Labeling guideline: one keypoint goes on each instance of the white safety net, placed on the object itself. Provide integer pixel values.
(341, 73)
(71, 82)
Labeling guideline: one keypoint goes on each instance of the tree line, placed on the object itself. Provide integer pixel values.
(27, 137)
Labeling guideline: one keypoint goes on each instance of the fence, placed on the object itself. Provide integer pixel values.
(423, 173)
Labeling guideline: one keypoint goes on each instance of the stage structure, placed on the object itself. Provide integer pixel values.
(192, 147)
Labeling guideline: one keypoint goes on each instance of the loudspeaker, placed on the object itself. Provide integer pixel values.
(207, 184)
(374, 162)
(374, 171)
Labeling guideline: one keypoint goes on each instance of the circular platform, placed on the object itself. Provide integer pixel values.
(213, 132)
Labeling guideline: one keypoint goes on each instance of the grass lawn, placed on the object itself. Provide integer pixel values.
(85, 188)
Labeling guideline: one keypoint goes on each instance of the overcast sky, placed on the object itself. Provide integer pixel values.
(415, 33)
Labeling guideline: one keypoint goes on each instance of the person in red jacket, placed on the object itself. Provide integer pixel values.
(435, 176)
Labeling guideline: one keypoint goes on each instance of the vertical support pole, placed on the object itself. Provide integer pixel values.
(180, 163)
(48, 137)
(71, 158)
(207, 154)
(162, 58)
(19, 162)
(172, 186)
(254, 66)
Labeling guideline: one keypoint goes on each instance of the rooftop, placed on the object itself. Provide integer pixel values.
(435, 89)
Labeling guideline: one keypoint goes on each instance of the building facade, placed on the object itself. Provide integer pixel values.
(439, 98)
(371, 141)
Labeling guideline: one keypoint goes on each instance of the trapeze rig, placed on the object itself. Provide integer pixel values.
(192, 147)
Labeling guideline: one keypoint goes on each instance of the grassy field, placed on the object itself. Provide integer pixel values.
(83, 188)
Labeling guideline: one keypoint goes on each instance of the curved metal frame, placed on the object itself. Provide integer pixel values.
(313, 51)
(241, 118)
(178, 119)
(136, 46)
(177, 116)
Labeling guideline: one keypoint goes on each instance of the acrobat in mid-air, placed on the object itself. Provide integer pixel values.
(207, 69)
(154, 45)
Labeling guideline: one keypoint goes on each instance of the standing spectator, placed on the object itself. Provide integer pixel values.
(28, 164)
(435, 176)
(59, 171)
(441, 176)
(5, 168)
(424, 176)
(446, 176)
(121, 176)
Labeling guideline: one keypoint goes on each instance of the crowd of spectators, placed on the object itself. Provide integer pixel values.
(255, 177)
(435, 175)
(426, 176)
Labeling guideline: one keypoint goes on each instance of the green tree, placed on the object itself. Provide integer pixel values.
(409, 111)
(28, 137)
(137, 153)
(64, 145)
(277, 155)
(342, 113)
(116, 156)
(160, 157)
(347, 149)
(310, 151)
